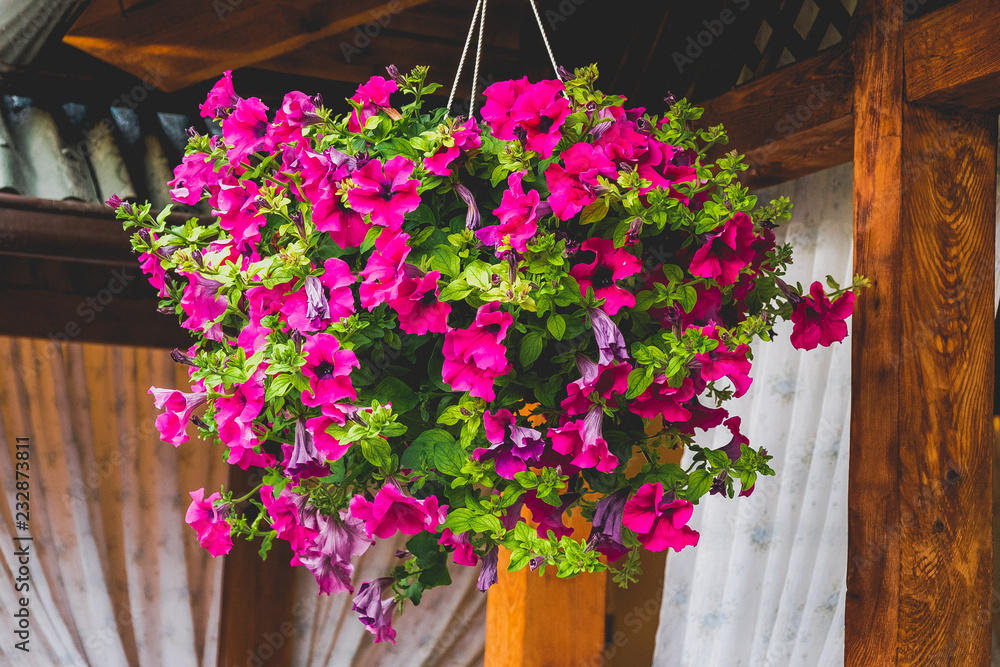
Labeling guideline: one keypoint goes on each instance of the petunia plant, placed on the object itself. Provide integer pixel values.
(465, 330)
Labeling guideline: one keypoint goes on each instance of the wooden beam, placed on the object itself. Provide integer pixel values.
(257, 624)
(953, 56)
(919, 554)
(534, 621)
(180, 43)
(793, 122)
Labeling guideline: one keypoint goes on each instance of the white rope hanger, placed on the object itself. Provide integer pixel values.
(479, 16)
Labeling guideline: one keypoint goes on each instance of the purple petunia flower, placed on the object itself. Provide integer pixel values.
(374, 612)
(512, 446)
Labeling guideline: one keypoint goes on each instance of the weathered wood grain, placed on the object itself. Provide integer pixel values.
(953, 56)
(946, 383)
(874, 531)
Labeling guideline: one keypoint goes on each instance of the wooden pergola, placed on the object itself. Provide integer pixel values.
(913, 102)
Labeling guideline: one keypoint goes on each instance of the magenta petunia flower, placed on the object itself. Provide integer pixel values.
(463, 552)
(328, 369)
(702, 417)
(596, 384)
(464, 138)
(297, 111)
(500, 98)
(584, 441)
(657, 166)
(245, 128)
(235, 416)
(549, 517)
(609, 339)
(385, 269)
(392, 512)
(574, 184)
(374, 97)
(209, 521)
(732, 449)
(512, 446)
(723, 362)
(609, 265)
(519, 211)
(177, 407)
(386, 192)
(221, 99)
(620, 137)
(475, 357)
(335, 540)
(541, 111)
(236, 206)
(725, 254)
(374, 612)
(191, 177)
(660, 398)
(321, 301)
(418, 307)
(328, 446)
(817, 321)
(659, 524)
(203, 305)
(284, 513)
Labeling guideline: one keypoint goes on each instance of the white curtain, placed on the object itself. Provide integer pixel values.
(116, 577)
(765, 586)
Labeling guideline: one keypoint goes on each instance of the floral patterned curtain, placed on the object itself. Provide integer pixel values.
(766, 584)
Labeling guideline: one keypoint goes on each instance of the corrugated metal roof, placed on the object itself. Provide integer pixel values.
(87, 152)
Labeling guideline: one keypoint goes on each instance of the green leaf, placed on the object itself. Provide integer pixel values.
(621, 233)
(455, 290)
(279, 386)
(644, 300)
(370, 238)
(688, 297)
(265, 544)
(594, 212)
(531, 347)
(478, 275)
(443, 259)
(395, 391)
(638, 381)
(442, 451)
(556, 326)
(673, 273)
(699, 484)
(377, 452)
(459, 520)
(518, 559)
(486, 523)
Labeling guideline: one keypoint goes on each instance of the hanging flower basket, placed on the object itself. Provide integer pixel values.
(425, 325)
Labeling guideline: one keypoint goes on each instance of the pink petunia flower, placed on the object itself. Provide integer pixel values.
(374, 612)
(660, 398)
(500, 99)
(393, 512)
(541, 111)
(817, 321)
(512, 447)
(726, 253)
(177, 407)
(610, 264)
(464, 138)
(191, 177)
(475, 357)
(519, 211)
(659, 524)
(209, 521)
(284, 513)
(302, 459)
(245, 129)
(600, 382)
(584, 441)
(418, 307)
(236, 206)
(385, 269)
(152, 265)
(203, 305)
(574, 185)
(463, 552)
(322, 300)
(297, 111)
(221, 99)
(374, 97)
(723, 362)
(657, 166)
(328, 369)
(386, 192)
(549, 517)
(335, 540)
(328, 446)
(620, 137)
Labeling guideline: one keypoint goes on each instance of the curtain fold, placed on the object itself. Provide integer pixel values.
(766, 584)
(117, 578)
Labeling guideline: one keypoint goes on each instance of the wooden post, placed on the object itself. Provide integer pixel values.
(920, 566)
(534, 621)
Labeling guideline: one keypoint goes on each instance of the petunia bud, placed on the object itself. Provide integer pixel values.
(181, 358)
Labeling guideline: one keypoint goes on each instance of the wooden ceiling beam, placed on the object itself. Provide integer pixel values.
(952, 56)
(793, 122)
(180, 43)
